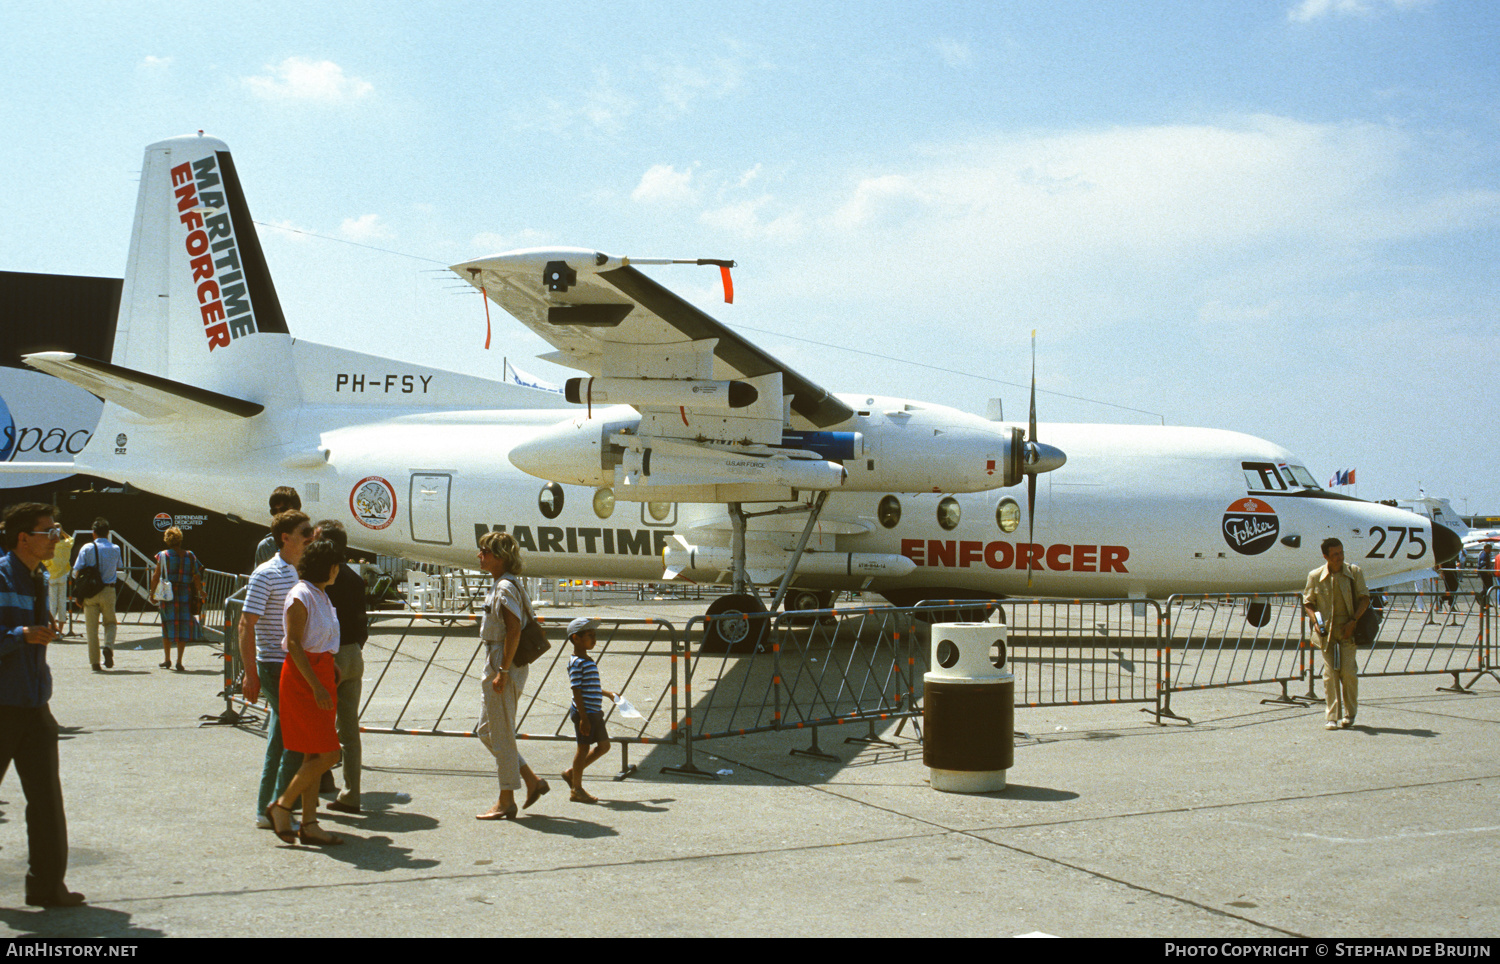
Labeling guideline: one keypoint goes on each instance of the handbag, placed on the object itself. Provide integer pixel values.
(163, 584)
(533, 642)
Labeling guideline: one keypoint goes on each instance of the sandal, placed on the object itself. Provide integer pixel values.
(580, 795)
(322, 839)
(166, 665)
(288, 835)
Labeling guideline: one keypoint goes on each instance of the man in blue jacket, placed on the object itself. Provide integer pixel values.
(28, 732)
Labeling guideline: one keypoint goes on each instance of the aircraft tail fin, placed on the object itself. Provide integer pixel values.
(198, 305)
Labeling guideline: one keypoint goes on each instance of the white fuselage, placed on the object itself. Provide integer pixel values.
(1135, 510)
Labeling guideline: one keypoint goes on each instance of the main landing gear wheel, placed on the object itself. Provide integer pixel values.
(735, 635)
(806, 600)
(1258, 613)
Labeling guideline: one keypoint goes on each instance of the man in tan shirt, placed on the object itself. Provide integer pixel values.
(1337, 592)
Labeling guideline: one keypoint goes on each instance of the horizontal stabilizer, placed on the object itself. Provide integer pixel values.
(33, 468)
(149, 396)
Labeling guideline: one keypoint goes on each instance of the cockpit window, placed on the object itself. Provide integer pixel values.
(1302, 476)
(1276, 477)
(1263, 477)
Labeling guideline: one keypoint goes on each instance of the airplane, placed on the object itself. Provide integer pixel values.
(683, 451)
(1442, 511)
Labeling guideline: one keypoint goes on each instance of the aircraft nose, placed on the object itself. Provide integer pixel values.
(1446, 545)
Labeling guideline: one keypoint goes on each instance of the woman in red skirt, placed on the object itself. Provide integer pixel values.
(308, 688)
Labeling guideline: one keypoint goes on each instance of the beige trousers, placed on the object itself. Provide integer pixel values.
(497, 726)
(102, 604)
(1340, 686)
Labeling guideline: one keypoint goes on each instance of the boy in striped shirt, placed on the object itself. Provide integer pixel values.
(588, 707)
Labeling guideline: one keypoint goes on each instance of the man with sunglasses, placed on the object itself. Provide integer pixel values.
(263, 648)
(28, 731)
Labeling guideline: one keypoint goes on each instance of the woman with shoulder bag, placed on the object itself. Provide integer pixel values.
(177, 587)
(507, 619)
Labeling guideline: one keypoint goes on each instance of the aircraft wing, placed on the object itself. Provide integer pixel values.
(647, 347)
(149, 396)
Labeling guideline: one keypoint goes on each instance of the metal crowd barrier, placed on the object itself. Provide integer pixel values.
(813, 668)
(218, 587)
(1234, 639)
(424, 672)
(1423, 634)
(864, 665)
(817, 668)
(1081, 652)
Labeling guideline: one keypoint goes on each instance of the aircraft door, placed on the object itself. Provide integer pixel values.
(428, 504)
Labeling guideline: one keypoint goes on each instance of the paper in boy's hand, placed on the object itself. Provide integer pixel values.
(623, 707)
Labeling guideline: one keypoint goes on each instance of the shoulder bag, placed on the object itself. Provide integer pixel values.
(89, 582)
(533, 641)
(163, 583)
(1368, 626)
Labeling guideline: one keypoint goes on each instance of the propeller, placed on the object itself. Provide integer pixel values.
(1039, 458)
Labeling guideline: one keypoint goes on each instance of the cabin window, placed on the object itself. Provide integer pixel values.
(550, 500)
(1008, 515)
(659, 512)
(948, 513)
(889, 512)
(604, 502)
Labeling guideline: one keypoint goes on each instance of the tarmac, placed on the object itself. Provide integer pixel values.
(1251, 822)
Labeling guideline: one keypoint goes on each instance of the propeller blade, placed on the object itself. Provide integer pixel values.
(1030, 524)
(1031, 455)
(1032, 437)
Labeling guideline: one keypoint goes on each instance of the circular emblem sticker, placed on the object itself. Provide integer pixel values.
(373, 502)
(1250, 526)
(162, 521)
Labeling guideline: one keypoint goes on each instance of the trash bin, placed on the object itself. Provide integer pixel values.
(968, 709)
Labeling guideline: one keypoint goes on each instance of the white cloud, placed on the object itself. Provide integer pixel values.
(154, 65)
(1309, 10)
(664, 184)
(747, 219)
(366, 227)
(1158, 192)
(749, 176)
(298, 78)
(954, 53)
(681, 85)
(644, 92)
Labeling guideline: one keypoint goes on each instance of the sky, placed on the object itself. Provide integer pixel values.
(1277, 217)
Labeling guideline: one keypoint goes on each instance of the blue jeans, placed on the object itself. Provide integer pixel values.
(281, 764)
